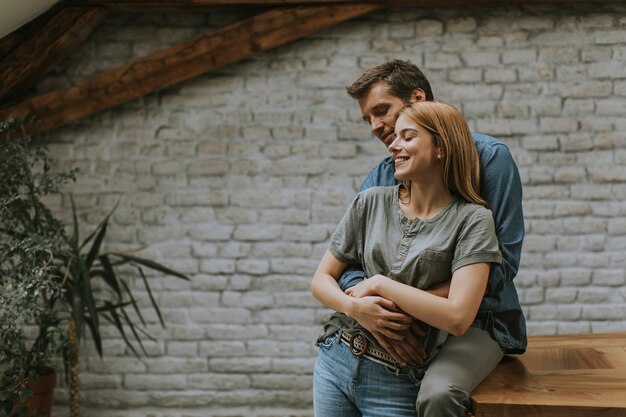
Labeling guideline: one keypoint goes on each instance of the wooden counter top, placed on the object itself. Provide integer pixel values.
(558, 376)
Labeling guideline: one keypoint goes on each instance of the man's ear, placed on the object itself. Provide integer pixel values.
(418, 95)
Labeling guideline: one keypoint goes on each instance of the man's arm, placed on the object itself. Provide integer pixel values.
(501, 186)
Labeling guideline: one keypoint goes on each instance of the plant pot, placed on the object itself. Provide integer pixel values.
(40, 404)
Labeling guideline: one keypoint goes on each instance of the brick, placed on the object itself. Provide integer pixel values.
(569, 312)
(282, 382)
(427, 27)
(240, 365)
(218, 382)
(235, 332)
(222, 315)
(548, 278)
(561, 295)
(604, 312)
(574, 328)
(500, 75)
(149, 382)
(211, 232)
(110, 365)
(234, 249)
(270, 348)
(252, 266)
(222, 349)
(532, 73)
(258, 232)
(466, 75)
(558, 124)
(608, 277)
(610, 37)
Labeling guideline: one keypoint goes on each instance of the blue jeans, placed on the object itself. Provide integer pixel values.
(345, 385)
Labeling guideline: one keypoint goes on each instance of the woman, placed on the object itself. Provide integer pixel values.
(431, 228)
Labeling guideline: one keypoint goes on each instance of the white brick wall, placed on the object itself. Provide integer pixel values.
(238, 178)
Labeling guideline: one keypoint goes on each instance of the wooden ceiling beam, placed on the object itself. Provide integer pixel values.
(30, 58)
(187, 5)
(178, 63)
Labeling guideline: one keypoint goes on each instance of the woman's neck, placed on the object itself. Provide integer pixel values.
(424, 200)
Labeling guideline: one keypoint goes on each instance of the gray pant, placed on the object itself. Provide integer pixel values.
(461, 364)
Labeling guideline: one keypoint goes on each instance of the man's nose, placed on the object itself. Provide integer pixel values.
(377, 125)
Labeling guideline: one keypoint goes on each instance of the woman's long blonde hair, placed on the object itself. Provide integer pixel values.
(460, 164)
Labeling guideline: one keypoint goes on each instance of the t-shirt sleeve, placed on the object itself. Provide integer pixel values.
(346, 243)
(477, 241)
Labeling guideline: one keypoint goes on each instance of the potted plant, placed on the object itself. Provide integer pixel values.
(55, 286)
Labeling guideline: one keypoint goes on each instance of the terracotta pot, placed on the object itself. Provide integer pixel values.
(40, 404)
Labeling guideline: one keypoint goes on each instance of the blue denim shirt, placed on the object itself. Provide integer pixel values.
(500, 312)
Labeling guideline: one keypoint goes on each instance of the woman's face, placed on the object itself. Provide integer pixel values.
(414, 151)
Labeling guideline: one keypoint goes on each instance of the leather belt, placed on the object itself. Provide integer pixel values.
(360, 346)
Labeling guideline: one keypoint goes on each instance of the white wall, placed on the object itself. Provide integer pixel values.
(239, 177)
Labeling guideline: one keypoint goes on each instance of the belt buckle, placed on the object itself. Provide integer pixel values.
(358, 337)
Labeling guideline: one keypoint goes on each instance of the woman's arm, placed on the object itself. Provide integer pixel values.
(454, 314)
(372, 312)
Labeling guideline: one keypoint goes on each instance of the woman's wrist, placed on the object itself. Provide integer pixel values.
(349, 306)
(377, 284)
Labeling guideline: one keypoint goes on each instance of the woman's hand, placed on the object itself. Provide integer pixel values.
(367, 287)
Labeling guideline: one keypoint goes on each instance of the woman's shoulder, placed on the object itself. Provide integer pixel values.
(376, 197)
(378, 192)
(473, 211)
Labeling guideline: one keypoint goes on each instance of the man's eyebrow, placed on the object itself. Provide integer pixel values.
(381, 106)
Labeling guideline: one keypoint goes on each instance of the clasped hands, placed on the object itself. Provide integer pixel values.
(396, 331)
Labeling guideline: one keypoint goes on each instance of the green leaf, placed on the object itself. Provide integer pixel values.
(120, 327)
(150, 264)
(103, 224)
(95, 334)
(75, 235)
(132, 329)
(109, 275)
(133, 302)
(95, 248)
(87, 293)
(152, 300)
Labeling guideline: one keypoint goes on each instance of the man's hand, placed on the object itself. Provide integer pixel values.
(407, 351)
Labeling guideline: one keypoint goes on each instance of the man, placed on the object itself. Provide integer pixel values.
(444, 391)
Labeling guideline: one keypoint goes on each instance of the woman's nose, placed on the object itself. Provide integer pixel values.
(393, 146)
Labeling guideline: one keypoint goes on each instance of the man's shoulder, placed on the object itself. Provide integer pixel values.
(384, 163)
(381, 175)
(490, 149)
(485, 140)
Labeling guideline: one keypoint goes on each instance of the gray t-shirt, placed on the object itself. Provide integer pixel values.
(375, 234)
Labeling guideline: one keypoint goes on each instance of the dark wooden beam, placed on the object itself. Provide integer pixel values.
(186, 5)
(10, 41)
(178, 63)
(58, 37)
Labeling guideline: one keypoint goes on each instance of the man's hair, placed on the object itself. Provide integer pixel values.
(402, 77)
(460, 164)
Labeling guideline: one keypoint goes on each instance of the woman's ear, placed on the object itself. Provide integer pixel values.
(440, 153)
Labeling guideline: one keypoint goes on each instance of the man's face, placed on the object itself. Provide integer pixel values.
(379, 109)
